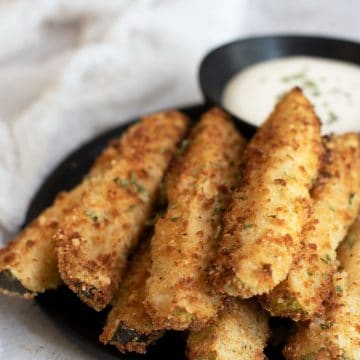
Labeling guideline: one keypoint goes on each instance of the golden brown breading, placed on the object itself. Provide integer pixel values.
(337, 334)
(28, 265)
(262, 227)
(336, 204)
(128, 326)
(178, 293)
(95, 238)
(240, 333)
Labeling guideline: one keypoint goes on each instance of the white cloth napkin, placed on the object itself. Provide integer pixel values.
(71, 69)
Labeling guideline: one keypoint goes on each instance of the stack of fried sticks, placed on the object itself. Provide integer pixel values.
(247, 231)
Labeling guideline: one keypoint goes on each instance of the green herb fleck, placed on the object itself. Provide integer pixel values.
(182, 147)
(326, 259)
(350, 239)
(247, 226)
(133, 178)
(217, 232)
(272, 216)
(327, 325)
(237, 176)
(351, 198)
(143, 194)
(218, 210)
(91, 215)
(312, 86)
(124, 183)
(175, 219)
(131, 207)
(339, 289)
(331, 208)
(152, 221)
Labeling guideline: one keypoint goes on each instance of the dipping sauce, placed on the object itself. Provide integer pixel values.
(332, 86)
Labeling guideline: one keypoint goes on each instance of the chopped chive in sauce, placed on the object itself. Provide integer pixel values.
(175, 219)
(296, 76)
(332, 118)
(247, 226)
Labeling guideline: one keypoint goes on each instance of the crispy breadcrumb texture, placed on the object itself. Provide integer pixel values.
(262, 227)
(95, 238)
(198, 190)
(336, 335)
(28, 265)
(128, 326)
(240, 333)
(336, 197)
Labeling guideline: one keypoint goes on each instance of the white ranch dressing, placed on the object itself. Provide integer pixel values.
(332, 86)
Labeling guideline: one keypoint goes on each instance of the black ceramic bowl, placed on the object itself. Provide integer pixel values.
(220, 64)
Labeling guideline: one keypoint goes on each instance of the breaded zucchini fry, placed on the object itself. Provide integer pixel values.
(128, 326)
(28, 265)
(262, 227)
(336, 335)
(336, 204)
(94, 240)
(178, 293)
(240, 333)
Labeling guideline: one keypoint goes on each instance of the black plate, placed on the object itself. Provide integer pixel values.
(77, 321)
(222, 63)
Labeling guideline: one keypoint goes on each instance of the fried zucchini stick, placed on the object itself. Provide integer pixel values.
(95, 238)
(128, 326)
(262, 227)
(240, 333)
(336, 335)
(178, 293)
(336, 204)
(28, 265)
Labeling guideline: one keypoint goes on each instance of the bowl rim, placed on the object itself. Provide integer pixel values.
(209, 99)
